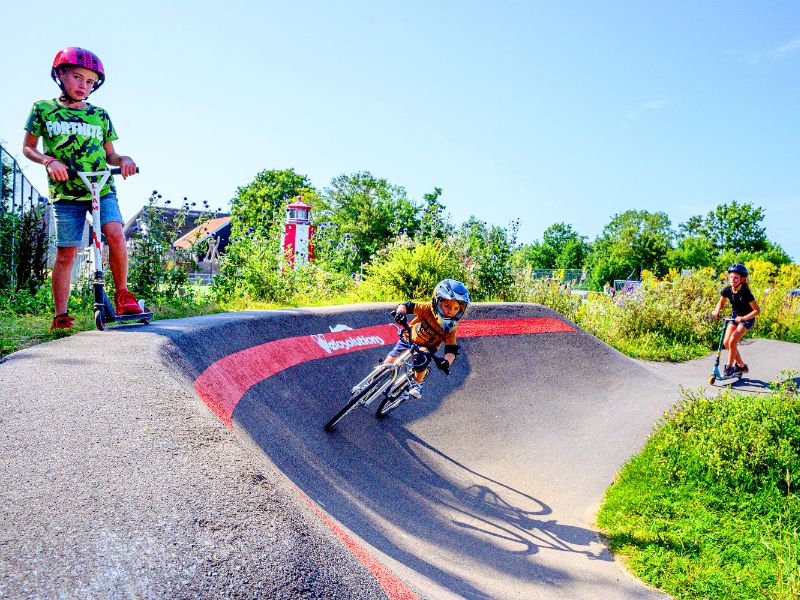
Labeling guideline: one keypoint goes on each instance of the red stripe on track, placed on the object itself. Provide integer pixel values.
(224, 382)
(512, 327)
(394, 588)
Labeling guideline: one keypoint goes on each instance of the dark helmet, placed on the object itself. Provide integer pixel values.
(77, 57)
(449, 289)
(738, 268)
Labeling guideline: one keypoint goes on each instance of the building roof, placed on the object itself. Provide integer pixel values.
(201, 232)
(170, 214)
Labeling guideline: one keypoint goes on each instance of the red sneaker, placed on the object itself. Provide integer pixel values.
(62, 321)
(126, 303)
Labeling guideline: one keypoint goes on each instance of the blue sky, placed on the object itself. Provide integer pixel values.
(547, 112)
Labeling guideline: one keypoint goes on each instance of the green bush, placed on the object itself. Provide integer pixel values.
(157, 270)
(548, 291)
(409, 271)
(733, 441)
(780, 311)
(708, 508)
(485, 254)
(252, 269)
(660, 320)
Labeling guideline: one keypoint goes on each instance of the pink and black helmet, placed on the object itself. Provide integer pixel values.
(77, 57)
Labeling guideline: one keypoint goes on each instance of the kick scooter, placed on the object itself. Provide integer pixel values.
(104, 312)
(716, 375)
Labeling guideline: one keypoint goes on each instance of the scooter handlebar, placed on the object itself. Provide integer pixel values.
(113, 171)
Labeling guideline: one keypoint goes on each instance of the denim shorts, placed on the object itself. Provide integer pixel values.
(401, 346)
(70, 217)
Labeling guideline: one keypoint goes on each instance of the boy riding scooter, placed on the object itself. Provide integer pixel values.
(78, 136)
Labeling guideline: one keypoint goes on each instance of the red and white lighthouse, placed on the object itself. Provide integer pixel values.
(297, 234)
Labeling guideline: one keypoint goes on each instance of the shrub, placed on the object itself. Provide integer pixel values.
(548, 291)
(661, 319)
(157, 270)
(410, 271)
(780, 310)
(708, 509)
(733, 441)
(485, 254)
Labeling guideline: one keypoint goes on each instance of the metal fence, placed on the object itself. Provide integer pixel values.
(18, 199)
(577, 279)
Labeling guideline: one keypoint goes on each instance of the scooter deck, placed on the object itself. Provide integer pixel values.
(136, 317)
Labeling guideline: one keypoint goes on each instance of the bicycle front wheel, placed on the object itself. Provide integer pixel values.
(362, 396)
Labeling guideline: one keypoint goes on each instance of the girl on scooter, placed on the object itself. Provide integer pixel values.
(745, 311)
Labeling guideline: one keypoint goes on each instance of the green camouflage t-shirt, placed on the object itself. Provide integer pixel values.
(75, 137)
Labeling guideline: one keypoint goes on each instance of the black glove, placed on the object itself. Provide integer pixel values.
(400, 318)
(443, 365)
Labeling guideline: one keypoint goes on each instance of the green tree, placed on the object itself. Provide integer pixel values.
(370, 211)
(732, 226)
(486, 253)
(632, 241)
(692, 252)
(772, 253)
(535, 256)
(573, 255)
(561, 248)
(260, 206)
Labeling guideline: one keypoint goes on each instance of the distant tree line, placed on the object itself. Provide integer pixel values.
(362, 219)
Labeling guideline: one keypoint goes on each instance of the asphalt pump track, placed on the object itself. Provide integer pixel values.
(487, 487)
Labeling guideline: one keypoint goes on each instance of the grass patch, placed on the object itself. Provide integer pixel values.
(708, 509)
(20, 331)
(28, 322)
(654, 345)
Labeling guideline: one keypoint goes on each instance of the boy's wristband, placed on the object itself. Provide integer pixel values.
(47, 162)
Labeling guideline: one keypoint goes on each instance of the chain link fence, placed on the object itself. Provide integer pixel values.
(25, 225)
(577, 279)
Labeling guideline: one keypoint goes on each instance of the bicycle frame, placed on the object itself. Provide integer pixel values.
(388, 380)
(400, 376)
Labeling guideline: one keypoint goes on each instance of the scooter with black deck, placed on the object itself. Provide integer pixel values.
(104, 312)
(716, 375)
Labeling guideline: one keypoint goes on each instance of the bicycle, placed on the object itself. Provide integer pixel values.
(390, 380)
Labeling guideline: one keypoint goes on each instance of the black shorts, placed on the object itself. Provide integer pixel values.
(748, 324)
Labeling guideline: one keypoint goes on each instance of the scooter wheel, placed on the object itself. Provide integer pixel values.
(98, 320)
(711, 380)
(145, 321)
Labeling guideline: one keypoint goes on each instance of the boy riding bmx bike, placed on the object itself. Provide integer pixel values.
(434, 324)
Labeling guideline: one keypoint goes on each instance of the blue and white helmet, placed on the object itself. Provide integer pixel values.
(449, 289)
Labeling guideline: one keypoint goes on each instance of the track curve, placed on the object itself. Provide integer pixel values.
(485, 488)
(116, 481)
